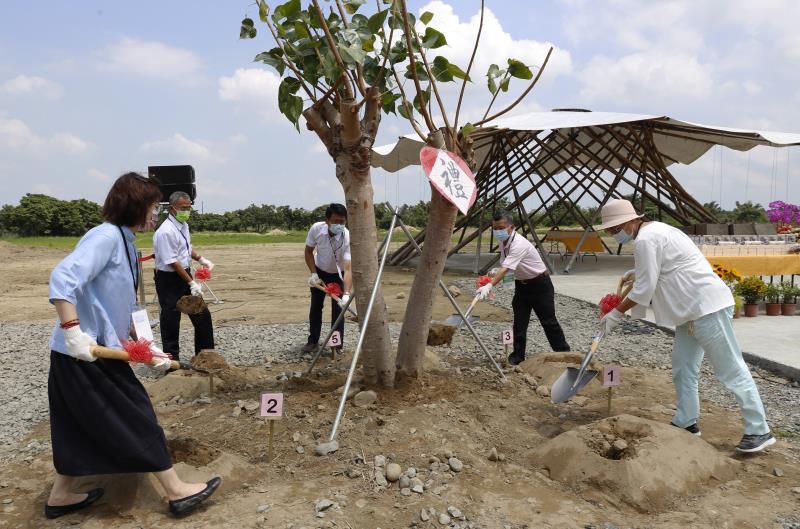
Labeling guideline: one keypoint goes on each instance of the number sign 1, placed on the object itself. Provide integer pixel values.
(336, 340)
(507, 337)
(272, 405)
(612, 376)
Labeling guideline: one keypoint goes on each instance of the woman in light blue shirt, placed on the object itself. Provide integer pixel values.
(101, 418)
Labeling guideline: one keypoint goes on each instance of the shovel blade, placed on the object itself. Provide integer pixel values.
(456, 320)
(568, 384)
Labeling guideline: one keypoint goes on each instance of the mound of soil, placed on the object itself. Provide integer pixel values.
(209, 360)
(634, 461)
(441, 334)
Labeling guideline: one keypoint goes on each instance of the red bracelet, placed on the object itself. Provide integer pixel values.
(71, 323)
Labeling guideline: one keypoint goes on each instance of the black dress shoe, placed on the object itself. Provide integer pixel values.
(515, 360)
(61, 510)
(188, 504)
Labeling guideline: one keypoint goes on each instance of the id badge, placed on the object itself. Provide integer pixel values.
(141, 323)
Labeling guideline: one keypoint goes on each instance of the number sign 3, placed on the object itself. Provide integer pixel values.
(508, 337)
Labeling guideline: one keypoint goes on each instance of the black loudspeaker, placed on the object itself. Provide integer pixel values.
(171, 178)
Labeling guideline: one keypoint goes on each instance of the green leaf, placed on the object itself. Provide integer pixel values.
(401, 109)
(492, 85)
(389, 102)
(368, 45)
(248, 30)
(289, 104)
(504, 84)
(290, 10)
(352, 55)
(467, 129)
(396, 21)
(444, 71)
(421, 73)
(272, 58)
(494, 71)
(263, 11)
(376, 21)
(351, 6)
(433, 39)
(426, 17)
(421, 102)
(399, 53)
(519, 70)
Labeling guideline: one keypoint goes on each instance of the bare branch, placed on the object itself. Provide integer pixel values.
(523, 94)
(494, 98)
(382, 71)
(289, 63)
(359, 70)
(332, 46)
(330, 91)
(409, 108)
(372, 112)
(316, 123)
(428, 121)
(434, 86)
(469, 68)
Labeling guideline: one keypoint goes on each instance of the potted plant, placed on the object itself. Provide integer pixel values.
(789, 294)
(772, 295)
(738, 303)
(752, 289)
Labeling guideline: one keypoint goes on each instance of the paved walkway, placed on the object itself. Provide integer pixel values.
(769, 342)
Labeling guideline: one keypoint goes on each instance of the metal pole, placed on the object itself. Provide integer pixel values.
(464, 318)
(330, 333)
(363, 333)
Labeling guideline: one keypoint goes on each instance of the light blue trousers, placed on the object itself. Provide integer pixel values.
(713, 334)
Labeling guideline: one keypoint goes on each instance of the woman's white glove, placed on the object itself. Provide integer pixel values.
(609, 322)
(79, 344)
(205, 262)
(313, 281)
(161, 361)
(629, 276)
(493, 272)
(194, 286)
(483, 292)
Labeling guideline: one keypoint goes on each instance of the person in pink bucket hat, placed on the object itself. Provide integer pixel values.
(673, 277)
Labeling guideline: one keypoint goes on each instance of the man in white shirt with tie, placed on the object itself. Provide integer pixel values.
(172, 245)
(329, 264)
(533, 289)
(672, 276)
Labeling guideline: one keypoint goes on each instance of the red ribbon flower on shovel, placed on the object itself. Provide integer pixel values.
(609, 303)
(140, 351)
(333, 290)
(202, 274)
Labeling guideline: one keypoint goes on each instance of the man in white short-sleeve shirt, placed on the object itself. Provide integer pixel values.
(677, 281)
(533, 289)
(172, 245)
(327, 256)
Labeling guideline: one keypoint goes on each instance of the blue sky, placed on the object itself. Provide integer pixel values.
(89, 90)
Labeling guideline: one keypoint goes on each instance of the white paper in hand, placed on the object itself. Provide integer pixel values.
(141, 322)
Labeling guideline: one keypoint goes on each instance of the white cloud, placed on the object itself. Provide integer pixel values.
(646, 76)
(23, 85)
(152, 59)
(252, 90)
(17, 136)
(182, 147)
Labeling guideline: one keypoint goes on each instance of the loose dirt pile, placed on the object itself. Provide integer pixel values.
(634, 461)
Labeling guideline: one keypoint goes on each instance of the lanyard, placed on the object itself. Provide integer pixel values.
(180, 231)
(507, 247)
(134, 277)
(336, 259)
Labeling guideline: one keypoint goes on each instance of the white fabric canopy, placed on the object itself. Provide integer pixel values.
(676, 141)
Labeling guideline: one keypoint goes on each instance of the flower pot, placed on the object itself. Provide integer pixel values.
(751, 310)
(773, 309)
(787, 309)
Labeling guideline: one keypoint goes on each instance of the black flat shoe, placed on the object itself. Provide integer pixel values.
(189, 503)
(61, 510)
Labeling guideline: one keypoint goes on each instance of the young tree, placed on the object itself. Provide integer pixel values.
(349, 68)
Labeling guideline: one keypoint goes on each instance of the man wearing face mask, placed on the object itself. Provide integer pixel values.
(330, 264)
(172, 245)
(533, 290)
(677, 281)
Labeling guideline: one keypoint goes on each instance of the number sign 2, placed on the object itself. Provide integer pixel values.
(336, 340)
(507, 337)
(272, 405)
(612, 376)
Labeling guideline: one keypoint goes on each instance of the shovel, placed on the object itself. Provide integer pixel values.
(456, 320)
(573, 380)
(98, 351)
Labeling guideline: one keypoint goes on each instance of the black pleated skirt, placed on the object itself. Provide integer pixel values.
(102, 420)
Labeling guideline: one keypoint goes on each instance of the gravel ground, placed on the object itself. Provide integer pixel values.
(24, 355)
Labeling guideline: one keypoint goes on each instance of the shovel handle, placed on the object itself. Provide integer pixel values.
(337, 299)
(99, 351)
(624, 287)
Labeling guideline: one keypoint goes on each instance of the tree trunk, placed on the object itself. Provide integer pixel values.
(356, 181)
(417, 321)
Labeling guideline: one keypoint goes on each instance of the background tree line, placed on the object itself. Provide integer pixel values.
(37, 215)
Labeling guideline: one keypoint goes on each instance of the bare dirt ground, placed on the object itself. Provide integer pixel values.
(560, 466)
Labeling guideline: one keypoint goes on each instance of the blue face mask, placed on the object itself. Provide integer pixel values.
(622, 237)
(336, 229)
(500, 235)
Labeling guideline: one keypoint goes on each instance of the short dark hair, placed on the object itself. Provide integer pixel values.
(337, 209)
(503, 214)
(129, 199)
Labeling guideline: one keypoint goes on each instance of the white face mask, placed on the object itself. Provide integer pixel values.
(622, 236)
